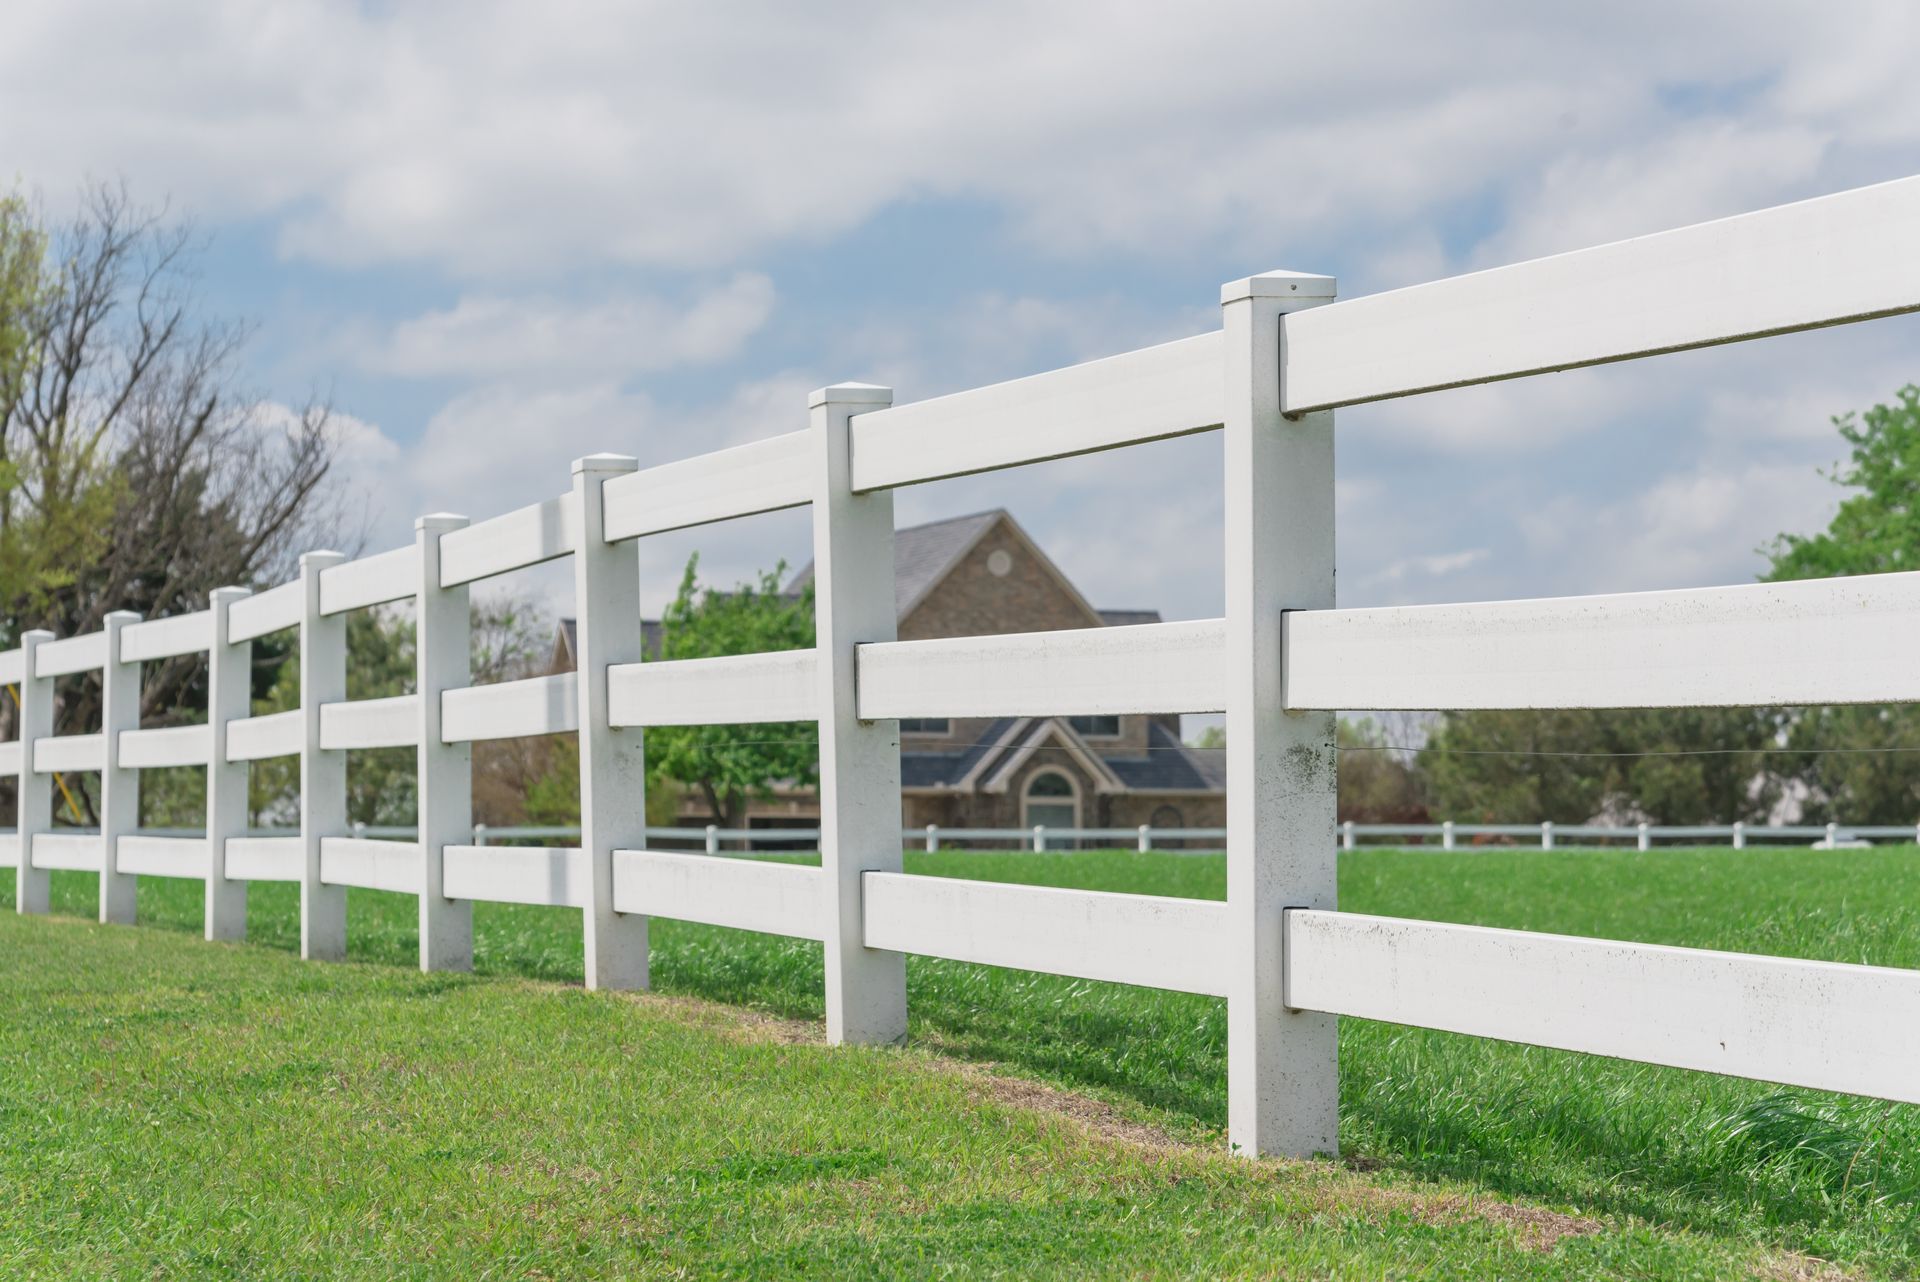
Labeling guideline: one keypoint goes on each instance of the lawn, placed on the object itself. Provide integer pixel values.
(171, 1108)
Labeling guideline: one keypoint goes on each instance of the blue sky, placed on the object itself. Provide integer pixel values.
(505, 235)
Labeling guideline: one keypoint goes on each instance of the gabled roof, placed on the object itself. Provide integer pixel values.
(1167, 766)
(923, 555)
(1104, 779)
(919, 769)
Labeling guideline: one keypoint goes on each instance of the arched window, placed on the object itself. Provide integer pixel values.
(1051, 800)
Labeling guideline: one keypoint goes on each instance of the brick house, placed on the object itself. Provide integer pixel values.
(978, 575)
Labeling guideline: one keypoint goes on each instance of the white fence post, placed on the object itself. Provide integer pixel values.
(613, 762)
(853, 604)
(1040, 838)
(1145, 838)
(229, 698)
(33, 887)
(443, 641)
(323, 775)
(713, 839)
(1283, 1086)
(119, 786)
(1833, 836)
(933, 838)
(1739, 836)
(1346, 835)
(479, 834)
(1446, 835)
(1646, 838)
(1546, 834)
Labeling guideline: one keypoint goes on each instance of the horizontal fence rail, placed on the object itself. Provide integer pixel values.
(1147, 940)
(530, 535)
(511, 709)
(1817, 263)
(1818, 641)
(765, 476)
(1151, 667)
(1148, 395)
(274, 610)
(1803, 1023)
(741, 689)
(1279, 663)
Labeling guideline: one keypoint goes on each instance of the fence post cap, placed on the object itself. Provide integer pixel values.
(849, 394)
(320, 560)
(441, 521)
(226, 595)
(605, 463)
(1279, 284)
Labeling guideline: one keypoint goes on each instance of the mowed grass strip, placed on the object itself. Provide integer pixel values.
(1749, 1172)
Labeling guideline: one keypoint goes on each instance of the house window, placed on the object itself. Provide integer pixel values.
(1050, 801)
(926, 725)
(1099, 727)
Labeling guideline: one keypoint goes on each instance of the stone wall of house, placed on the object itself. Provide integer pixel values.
(973, 601)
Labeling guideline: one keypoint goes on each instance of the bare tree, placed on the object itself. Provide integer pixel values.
(134, 472)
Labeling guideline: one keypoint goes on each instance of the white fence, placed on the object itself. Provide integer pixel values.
(1278, 665)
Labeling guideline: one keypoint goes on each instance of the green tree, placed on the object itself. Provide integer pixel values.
(1861, 764)
(55, 507)
(729, 765)
(1877, 528)
(1663, 765)
(1378, 782)
(134, 474)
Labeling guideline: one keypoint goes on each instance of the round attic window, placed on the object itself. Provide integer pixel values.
(999, 563)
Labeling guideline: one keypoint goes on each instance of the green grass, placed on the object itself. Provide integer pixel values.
(323, 1119)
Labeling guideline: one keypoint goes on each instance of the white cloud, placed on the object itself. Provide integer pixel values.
(1694, 528)
(501, 138)
(1431, 566)
(546, 338)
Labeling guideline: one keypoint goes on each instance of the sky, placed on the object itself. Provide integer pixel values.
(503, 235)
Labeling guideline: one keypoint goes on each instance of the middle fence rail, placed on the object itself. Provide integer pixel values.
(1279, 665)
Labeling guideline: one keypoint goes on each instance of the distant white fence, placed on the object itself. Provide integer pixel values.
(1278, 665)
(1145, 838)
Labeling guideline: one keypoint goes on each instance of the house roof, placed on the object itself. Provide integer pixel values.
(922, 555)
(1064, 738)
(1167, 766)
(948, 769)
